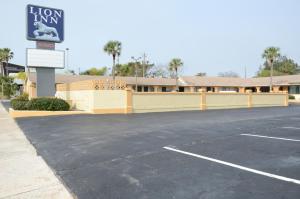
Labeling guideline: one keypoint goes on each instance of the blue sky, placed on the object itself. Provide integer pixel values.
(210, 36)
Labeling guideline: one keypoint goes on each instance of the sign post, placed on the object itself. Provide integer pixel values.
(46, 27)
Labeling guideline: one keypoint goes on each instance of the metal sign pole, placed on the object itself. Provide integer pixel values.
(45, 77)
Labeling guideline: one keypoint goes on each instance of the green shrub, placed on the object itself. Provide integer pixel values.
(40, 104)
(291, 97)
(19, 104)
(23, 97)
(48, 104)
(7, 87)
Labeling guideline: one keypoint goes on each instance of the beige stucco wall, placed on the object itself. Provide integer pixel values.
(110, 99)
(30, 88)
(161, 102)
(126, 101)
(80, 100)
(226, 100)
(98, 101)
(268, 99)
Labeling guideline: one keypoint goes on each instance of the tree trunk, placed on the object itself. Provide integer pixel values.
(271, 77)
(6, 67)
(113, 70)
(1, 69)
(176, 79)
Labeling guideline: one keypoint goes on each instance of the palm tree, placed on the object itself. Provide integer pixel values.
(271, 54)
(174, 65)
(5, 55)
(113, 48)
(1, 60)
(118, 57)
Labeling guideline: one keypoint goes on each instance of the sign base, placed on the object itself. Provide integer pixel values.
(45, 45)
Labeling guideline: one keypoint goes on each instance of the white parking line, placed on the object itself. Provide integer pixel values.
(275, 119)
(290, 127)
(277, 138)
(295, 118)
(236, 166)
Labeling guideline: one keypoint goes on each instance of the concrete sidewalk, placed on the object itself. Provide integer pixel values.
(24, 174)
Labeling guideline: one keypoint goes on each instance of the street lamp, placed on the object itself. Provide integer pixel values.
(136, 60)
(67, 64)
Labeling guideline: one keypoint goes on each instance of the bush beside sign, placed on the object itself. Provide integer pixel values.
(41, 104)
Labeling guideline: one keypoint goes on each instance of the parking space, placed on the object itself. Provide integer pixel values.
(285, 129)
(269, 137)
(174, 155)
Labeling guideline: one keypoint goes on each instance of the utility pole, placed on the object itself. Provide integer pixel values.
(136, 60)
(245, 72)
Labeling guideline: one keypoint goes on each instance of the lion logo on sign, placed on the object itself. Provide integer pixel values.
(45, 32)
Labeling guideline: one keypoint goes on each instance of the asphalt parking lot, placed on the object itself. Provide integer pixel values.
(214, 154)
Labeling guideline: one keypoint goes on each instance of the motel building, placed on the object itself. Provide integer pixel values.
(102, 95)
(289, 83)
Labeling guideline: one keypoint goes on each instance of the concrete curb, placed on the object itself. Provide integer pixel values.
(19, 113)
